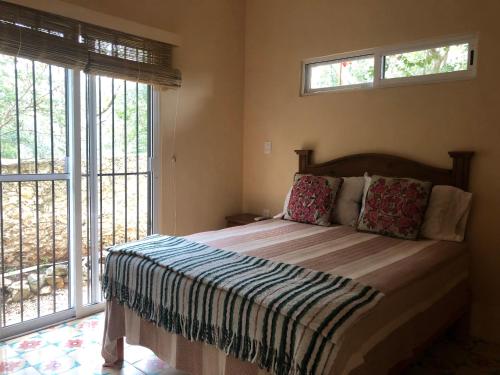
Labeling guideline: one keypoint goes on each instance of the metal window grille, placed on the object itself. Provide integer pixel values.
(118, 150)
(33, 190)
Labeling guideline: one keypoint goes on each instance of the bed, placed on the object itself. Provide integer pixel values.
(424, 283)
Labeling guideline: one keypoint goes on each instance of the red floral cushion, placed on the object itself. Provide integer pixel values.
(395, 207)
(312, 199)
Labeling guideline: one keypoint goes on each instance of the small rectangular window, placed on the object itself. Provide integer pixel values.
(445, 59)
(433, 60)
(342, 72)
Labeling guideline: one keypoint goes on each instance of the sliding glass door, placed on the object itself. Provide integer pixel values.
(75, 178)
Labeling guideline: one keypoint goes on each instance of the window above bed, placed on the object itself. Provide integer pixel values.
(352, 71)
(436, 60)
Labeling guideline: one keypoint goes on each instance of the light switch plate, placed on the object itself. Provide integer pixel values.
(268, 147)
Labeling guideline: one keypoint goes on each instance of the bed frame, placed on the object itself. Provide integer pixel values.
(391, 166)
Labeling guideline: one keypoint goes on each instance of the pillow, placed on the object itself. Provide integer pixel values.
(312, 199)
(395, 207)
(447, 214)
(281, 215)
(368, 180)
(348, 203)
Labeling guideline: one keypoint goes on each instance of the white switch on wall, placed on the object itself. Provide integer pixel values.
(268, 147)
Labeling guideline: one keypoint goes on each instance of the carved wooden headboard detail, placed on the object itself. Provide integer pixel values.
(391, 166)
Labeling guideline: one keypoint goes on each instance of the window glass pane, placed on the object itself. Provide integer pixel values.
(446, 59)
(123, 177)
(34, 234)
(341, 73)
(32, 117)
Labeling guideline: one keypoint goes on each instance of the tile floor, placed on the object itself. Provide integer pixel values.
(74, 348)
(451, 355)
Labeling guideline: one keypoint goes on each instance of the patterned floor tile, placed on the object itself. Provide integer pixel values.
(89, 356)
(55, 336)
(6, 352)
(56, 365)
(458, 356)
(27, 371)
(35, 357)
(97, 369)
(13, 366)
(74, 348)
(134, 353)
(92, 322)
(25, 344)
(151, 366)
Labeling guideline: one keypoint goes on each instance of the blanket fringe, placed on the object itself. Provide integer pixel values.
(242, 347)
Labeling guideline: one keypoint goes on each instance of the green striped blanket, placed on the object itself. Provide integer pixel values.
(285, 318)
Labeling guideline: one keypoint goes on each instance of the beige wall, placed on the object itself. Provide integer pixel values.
(421, 121)
(209, 111)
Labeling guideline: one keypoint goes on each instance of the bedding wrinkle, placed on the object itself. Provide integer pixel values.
(350, 252)
(264, 234)
(258, 243)
(383, 258)
(308, 241)
(227, 232)
(417, 266)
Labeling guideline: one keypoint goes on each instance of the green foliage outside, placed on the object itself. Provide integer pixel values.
(361, 70)
(130, 117)
(347, 72)
(430, 61)
(34, 83)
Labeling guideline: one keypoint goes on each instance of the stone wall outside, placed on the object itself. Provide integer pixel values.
(53, 236)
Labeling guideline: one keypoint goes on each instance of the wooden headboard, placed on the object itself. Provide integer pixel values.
(391, 166)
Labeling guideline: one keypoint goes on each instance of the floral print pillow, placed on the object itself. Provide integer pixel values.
(395, 207)
(312, 199)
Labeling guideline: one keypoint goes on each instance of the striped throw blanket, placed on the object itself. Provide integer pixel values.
(285, 318)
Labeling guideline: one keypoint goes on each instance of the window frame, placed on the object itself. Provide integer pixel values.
(326, 60)
(379, 54)
(96, 303)
(78, 307)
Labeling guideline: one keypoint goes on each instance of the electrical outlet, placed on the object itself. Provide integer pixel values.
(265, 212)
(268, 147)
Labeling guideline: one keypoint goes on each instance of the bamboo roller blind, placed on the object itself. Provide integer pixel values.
(53, 39)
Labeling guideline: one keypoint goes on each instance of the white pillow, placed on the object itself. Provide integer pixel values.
(281, 215)
(447, 214)
(368, 181)
(347, 207)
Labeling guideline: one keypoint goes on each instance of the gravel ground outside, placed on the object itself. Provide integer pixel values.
(30, 307)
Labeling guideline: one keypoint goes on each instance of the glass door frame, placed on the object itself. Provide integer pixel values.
(94, 306)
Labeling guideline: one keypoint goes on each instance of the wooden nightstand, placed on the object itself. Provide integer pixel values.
(240, 219)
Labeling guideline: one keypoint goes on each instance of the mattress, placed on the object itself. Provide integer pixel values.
(413, 275)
